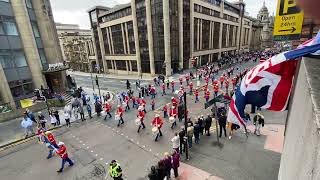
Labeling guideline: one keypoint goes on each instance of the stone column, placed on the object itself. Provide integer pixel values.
(192, 45)
(220, 40)
(180, 8)
(198, 35)
(200, 32)
(136, 35)
(108, 39)
(228, 31)
(150, 37)
(29, 43)
(130, 66)
(127, 36)
(102, 48)
(167, 45)
(123, 39)
(111, 41)
(5, 91)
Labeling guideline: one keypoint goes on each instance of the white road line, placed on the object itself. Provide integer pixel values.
(87, 147)
(91, 151)
(101, 159)
(96, 155)
(121, 134)
(138, 142)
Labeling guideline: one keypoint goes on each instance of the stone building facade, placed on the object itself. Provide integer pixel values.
(29, 46)
(160, 36)
(77, 47)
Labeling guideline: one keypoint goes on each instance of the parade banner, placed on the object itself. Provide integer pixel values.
(25, 103)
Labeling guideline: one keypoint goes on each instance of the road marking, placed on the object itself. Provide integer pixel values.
(83, 144)
(96, 155)
(91, 151)
(138, 142)
(101, 159)
(121, 134)
(87, 147)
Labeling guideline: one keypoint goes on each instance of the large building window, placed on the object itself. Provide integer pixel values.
(29, 4)
(117, 39)
(216, 35)
(1, 29)
(105, 41)
(231, 39)
(224, 35)
(10, 28)
(205, 34)
(132, 44)
(121, 65)
(195, 34)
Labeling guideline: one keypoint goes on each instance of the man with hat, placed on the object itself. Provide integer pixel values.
(62, 152)
(141, 116)
(173, 114)
(115, 170)
(107, 109)
(157, 122)
(120, 114)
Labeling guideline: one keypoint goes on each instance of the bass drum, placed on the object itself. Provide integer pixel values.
(155, 131)
(137, 122)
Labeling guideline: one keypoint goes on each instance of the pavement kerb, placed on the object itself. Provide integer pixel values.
(34, 136)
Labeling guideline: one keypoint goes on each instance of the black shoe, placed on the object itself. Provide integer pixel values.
(59, 171)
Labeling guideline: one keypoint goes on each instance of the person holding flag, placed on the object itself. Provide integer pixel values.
(62, 152)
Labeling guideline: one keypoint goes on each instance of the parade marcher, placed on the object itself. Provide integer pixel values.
(153, 92)
(207, 95)
(233, 81)
(222, 123)
(52, 148)
(51, 139)
(141, 116)
(163, 89)
(175, 163)
(62, 152)
(258, 121)
(175, 142)
(133, 99)
(53, 119)
(165, 111)
(182, 134)
(157, 122)
(190, 87)
(196, 132)
(207, 124)
(107, 109)
(167, 164)
(143, 104)
(138, 101)
(187, 79)
(26, 123)
(190, 131)
(168, 83)
(172, 86)
(173, 115)
(226, 85)
(127, 100)
(216, 90)
(174, 102)
(120, 114)
(180, 80)
(98, 108)
(115, 170)
(221, 81)
(196, 93)
(153, 103)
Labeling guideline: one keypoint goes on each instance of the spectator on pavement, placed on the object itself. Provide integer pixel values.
(161, 170)
(175, 163)
(201, 123)
(167, 164)
(175, 142)
(190, 131)
(53, 119)
(98, 108)
(26, 124)
(56, 114)
(196, 132)
(81, 111)
(222, 123)
(42, 120)
(153, 175)
(89, 110)
(207, 124)
(182, 134)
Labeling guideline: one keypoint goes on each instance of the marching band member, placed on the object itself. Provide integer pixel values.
(107, 109)
(172, 86)
(196, 93)
(233, 81)
(216, 89)
(141, 116)
(163, 89)
(153, 92)
(62, 152)
(180, 80)
(120, 114)
(127, 99)
(207, 95)
(190, 87)
(133, 99)
(174, 102)
(153, 103)
(143, 104)
(165, 110)
(157, 122)
(221, 81)
(173, 114)
(226, 85)
(187, 79)
(50, 142)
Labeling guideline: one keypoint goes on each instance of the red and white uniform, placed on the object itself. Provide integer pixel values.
(196, 92)
(221, 79)
(173, 112)
(190, 85)
(215, 82)
(174, 102)
(143, 102)
(165, 108)
(133, 99)
(120, 111)
(172, 83)
(62, 152)
(180, 80)
(207, 94)
(187, 78)
(141, 115)
(157, 121)
(226, 84)
(51, 139)
(107, 107)
(127, 99)
(138, 101)
(216, 88)
(205, 88)
(153, 90)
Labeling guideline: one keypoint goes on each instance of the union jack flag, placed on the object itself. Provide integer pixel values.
(268, 85)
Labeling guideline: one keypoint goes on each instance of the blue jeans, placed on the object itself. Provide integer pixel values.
(64, 161)
(196, 139)
(172, 89)
(190, 141)
(164, 114)
(197, 99)
(153, 95)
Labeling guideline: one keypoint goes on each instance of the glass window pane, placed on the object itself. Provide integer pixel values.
(11, 74)
(35, 30)
(29, 3)
(43, 58)
(17, 91)
(20, 60)
(10, 28)
(28, 88)
(1, 29)
(5, 0)
(6, 61)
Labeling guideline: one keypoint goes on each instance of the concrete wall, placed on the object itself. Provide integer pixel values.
(301, 158)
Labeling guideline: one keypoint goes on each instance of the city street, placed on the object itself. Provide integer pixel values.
(92, 144)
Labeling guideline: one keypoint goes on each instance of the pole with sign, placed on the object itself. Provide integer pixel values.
(288, 21)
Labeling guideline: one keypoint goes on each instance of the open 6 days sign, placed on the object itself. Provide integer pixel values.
(288, 21)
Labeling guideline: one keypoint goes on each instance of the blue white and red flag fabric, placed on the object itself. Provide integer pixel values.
(268, 85)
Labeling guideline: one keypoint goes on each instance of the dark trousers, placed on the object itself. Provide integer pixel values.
(68, 122)
(168, 173)
(207, 131)
(201, 130)
(224, 129)
(64, 162)
(182, 147)
(141, 125)
(197, 139)
(175, 170)
(159, 134)
(82, 116)
(108, 113)
(120, 121)
(90, 114)
(173, 125)
(164, 114)
(127, 107)
(118, 178)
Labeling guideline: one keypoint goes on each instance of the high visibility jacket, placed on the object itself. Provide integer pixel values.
(115, 171)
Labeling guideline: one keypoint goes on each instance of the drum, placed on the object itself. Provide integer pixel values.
(138, 122)
(117, 117)
(172, 119)
(124, 104)
(155, 131)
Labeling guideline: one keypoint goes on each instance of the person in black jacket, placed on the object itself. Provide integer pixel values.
(207, 124)
(160, 170)
(153, 175)
(201, 124)
(222, 123)
(182, 133)
(196, 132)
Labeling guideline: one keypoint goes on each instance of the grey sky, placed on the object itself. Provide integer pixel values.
(74, 11)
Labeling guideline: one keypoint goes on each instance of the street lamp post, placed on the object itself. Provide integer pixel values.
(97, 83)
(186, 125)
(92, 81)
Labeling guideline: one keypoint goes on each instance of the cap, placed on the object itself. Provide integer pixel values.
(118, 105)
(60, 143)
(157, 115)
(48, 132)
(113, 161)
(172, 97)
